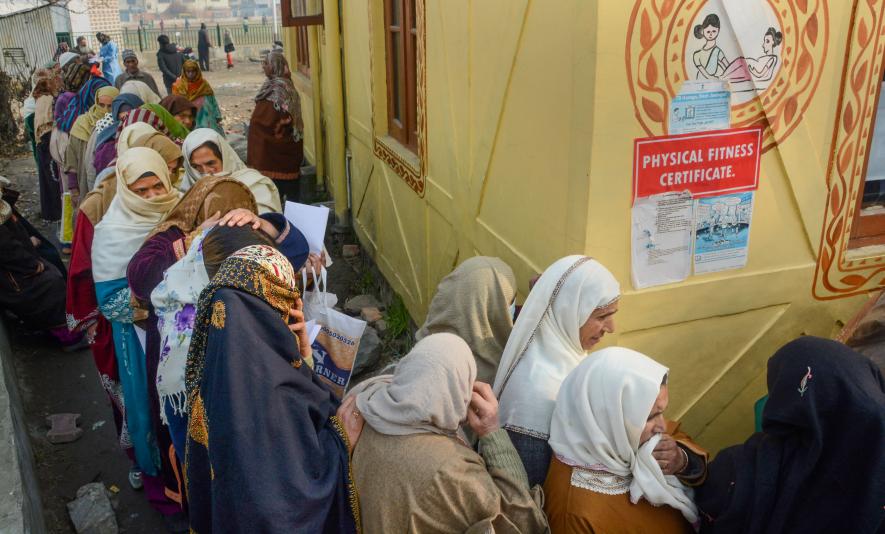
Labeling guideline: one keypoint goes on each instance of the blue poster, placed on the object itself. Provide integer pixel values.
(722, 232)
(700, 111)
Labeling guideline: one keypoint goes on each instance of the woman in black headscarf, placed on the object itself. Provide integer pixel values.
(265, 450)
(819, 463)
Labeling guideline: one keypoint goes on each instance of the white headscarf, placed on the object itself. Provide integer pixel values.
(175, 303)
(545, 344)
(130, 134)
(66, 58)
(600, 413)
(141, 90)
(263, 189)
(428, 393)
(130, 218)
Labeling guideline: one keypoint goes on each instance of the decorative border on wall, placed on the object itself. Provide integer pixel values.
(655, 60)
(414, 178)
(836, 275)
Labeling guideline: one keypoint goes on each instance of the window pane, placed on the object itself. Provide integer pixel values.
(397, 100)
(873, 202)
(413, 24)
(396, 12)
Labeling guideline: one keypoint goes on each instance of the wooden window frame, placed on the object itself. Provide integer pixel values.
(870, 229)
(402, 124)
(300, 22)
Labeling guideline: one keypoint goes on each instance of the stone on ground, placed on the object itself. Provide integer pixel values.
(369, 352)
(91, 511)
(371, 315)
(355, 305)
(381, 326)
(350, 251)
(64, 427)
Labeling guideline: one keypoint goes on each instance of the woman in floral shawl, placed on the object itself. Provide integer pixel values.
(265, 449)
(275, 147)
(195, 88)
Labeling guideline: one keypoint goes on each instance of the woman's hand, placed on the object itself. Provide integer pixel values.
(351, 420)
(315, 262)
(669, 456)
(482, 414)
(211, 221)
(241, 217)
(298, 326)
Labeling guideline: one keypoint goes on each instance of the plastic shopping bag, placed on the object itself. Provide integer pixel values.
(336, 345)
(66, 228)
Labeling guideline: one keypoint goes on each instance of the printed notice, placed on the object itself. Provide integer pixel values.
(662, 231)
(700, 107)
(722, 232)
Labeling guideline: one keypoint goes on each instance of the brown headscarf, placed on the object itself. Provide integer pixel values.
(279, 90)
(176, 104)
(209, 195)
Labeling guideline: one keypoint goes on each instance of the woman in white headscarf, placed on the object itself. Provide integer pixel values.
(144, 195)
(141, 90)
(608, 474)
(567, 313)
(411, 466)
(206, 153)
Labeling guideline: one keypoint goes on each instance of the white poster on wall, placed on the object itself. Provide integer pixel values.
(661, 239)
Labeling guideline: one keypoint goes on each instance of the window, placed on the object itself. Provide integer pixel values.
(401, 38)
(869, 219)
(302, 50)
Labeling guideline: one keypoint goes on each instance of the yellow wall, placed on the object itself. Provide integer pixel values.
(527, 155)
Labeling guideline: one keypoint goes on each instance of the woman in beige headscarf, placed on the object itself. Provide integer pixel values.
(411, 466)
(476, 301)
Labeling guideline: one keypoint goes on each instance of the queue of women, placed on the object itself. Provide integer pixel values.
(496, 421)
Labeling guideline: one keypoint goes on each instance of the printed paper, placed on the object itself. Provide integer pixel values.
(662, 231)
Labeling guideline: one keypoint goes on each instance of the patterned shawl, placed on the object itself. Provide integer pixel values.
(279, 90)
(74, 75)
(207, 196)
(175, 129)
(191, 89)
(123, 99)
(79, 105)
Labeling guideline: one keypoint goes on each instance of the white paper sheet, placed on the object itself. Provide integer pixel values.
(722, 232)
(313, 330)
(311, 220)
(661, 239)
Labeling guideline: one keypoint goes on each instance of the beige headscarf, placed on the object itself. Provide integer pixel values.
(598, 420)
(428, 393)
(141, 90)
(473, 301)
(130, 218)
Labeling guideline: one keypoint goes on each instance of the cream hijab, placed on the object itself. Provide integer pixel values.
(263, 189)
(141, 90)
(473, 301)
(130, 218)
(428, 393)
(600, 412)
(545, 344)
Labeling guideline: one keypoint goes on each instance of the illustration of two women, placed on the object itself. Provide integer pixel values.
(712, 63)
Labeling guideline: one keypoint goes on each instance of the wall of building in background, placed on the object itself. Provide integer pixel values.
(528, 117)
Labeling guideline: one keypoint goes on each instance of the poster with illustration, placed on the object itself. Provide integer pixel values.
(738, 42)
(722, 232)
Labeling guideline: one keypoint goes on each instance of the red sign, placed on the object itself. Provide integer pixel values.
(705, 163)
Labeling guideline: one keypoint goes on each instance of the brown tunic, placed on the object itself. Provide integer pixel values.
(574, 510)
(430, 483)
(272, 149)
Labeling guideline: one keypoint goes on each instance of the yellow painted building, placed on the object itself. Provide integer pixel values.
(521, 118)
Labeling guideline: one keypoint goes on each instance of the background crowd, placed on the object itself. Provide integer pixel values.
(183, 279)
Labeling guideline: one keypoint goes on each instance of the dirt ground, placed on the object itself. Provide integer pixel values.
(52, 381)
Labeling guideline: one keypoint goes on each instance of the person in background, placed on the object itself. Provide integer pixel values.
(567, 313)
(262, 428)
(76, 158)
(62, 47)
(276, 142)
(110, 65)
(133, 72)
(31, 287)
(162, 25)
(207, 153)
(229, 48)
(411, 451)
(195, 88)
(619, 466)
(82, 48)
(476, 302)
(245, 24)
(169, 61)
(818, 465)
(187, 23)
(47, 171)
(203, 46)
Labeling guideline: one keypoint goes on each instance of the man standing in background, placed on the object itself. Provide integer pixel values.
(203, 46)
(82, 48)
(132, 72)
(169, 61)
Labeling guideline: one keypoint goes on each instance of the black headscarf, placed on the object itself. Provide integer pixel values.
(819, 463)
(265, 452)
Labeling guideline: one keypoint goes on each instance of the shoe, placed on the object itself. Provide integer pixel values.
(135, 478)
